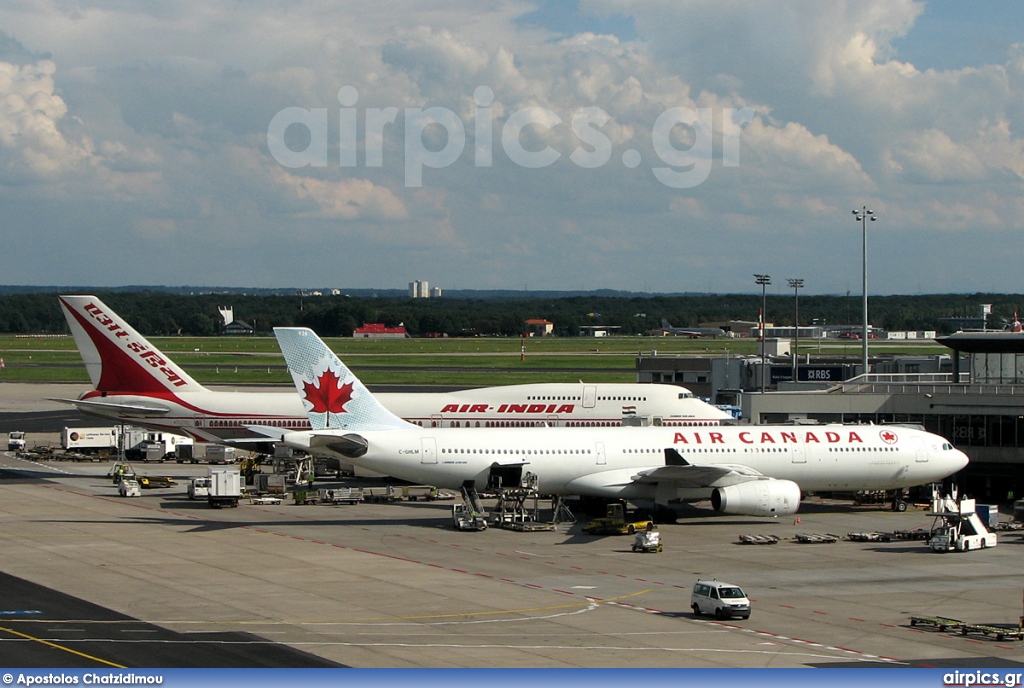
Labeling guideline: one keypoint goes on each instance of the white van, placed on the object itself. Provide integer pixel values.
(724, 600)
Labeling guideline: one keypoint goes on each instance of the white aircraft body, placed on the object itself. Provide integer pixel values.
(136, 383)
(692, 332)
(754, 470)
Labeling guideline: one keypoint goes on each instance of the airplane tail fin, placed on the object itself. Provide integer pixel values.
(331, 394)
(665, 325)
(118, 358)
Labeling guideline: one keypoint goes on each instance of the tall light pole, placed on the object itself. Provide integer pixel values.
(862, 216)
(764, 281)
(796, 284)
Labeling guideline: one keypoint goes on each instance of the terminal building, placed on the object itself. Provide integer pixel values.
(973, 396)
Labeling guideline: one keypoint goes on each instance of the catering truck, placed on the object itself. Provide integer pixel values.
(225, 487)
(89, 439)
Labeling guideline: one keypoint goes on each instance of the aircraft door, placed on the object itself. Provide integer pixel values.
(798, 454)
(436, 420)
(599, 450)
(428, 450)
(920, 449)
(589, 396)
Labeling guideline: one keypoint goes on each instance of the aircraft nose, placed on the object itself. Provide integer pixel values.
(959, 460)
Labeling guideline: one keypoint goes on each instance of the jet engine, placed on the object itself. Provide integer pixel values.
(758, 498)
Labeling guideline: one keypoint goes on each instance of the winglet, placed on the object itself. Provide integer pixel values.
(331, 394)
(118, 358)
(673, 458)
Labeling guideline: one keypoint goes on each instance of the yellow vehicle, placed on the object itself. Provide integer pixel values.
(615, 522)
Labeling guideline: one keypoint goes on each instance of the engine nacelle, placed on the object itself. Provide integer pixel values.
(758, 498)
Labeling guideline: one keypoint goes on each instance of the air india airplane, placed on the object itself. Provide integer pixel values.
(753, 470)
(136, 383)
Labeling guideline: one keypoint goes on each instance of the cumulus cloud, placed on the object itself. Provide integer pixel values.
(32, 145)
(165, 110)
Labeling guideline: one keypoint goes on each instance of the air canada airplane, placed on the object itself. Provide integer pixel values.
(752, 470)
(136, 383)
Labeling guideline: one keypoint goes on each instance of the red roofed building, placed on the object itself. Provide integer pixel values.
(379, 331)
(538, 327)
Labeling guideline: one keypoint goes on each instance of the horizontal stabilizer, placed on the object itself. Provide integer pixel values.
(101, 406)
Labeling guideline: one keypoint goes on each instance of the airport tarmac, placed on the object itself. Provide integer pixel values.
(392, 585)
(93, 579)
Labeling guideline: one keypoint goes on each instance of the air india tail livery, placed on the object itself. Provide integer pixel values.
(753, 470)
(137, 383)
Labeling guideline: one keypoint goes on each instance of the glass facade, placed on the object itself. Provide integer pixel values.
(997, 369)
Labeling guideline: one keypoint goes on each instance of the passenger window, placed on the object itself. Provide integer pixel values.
(714, 594)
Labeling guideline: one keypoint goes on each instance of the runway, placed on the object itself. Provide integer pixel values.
(163, 581)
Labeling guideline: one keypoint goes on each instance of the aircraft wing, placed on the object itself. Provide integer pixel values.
(684, 474)
(699, 476)
(108, 407)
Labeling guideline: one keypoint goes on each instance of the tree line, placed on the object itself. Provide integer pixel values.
(156, 313)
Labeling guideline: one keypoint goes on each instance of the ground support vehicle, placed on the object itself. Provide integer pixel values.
(648, 540)
(149, 482)
(90, 439)
(341, 495)
(265, 500)
(615, 522)
(129, 488)
(427, 493)
(381, 494)
(1000, 632)
(915, 534)
(724, 600)
(939, 622)
(218, 453)
(199, 487)
(225, 487)
(121, 470)
(512, 512)
(759, 539)
(957, 527)
(465, 518)
(869, 537)
(15, 440)
(306, 497)
(817, 538)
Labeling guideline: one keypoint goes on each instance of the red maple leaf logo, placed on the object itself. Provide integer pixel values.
(888, 437)
(328, 397)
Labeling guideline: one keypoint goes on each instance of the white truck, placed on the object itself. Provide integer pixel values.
(218, 453)
(225, 487)
(89, 439)
(129, 488)
(15, 440)
(199, 487)
(151, 445)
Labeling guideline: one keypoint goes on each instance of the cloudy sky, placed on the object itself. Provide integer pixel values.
(654, 145)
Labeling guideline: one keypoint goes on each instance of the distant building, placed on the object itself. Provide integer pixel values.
(538, 327)
(379, 331)
(419, 290)
(232, 326)
(237, 327)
